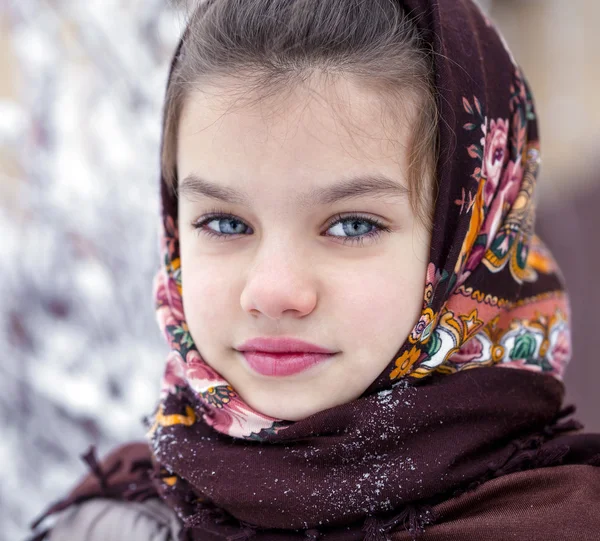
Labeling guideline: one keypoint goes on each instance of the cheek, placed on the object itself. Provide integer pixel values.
(208, 290)
(380, 306)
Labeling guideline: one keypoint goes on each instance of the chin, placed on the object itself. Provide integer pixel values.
(285, 412)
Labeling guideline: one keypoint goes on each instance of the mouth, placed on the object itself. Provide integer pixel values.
(283, 364)
(283, 356)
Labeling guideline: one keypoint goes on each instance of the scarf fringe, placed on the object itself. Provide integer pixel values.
(214, 520)
(374, 530)
(413, 519)
(91, 459)
(528, 452)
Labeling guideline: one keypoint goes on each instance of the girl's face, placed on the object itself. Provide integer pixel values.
(295, 222)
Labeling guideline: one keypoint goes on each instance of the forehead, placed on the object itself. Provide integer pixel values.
(313, 129)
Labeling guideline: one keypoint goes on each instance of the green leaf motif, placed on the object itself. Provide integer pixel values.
(467, 106)
(434, 344)
(524, 347)
(497, 245)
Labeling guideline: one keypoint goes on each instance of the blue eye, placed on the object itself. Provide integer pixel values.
(352, 229)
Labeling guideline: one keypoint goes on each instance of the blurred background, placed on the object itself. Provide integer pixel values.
(81, 89)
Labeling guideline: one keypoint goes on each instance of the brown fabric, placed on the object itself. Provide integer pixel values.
(560, 503)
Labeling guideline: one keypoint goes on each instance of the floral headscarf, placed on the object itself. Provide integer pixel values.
(493, 298)
(493, 295)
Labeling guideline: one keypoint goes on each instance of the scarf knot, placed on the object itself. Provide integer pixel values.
(103, 476)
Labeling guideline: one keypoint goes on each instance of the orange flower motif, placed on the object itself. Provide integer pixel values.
(170, 480)
(405, 362)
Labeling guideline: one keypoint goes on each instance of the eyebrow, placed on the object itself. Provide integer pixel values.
(193, 186)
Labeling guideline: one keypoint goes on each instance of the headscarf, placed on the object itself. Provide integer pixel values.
(493, 295)
(429, 426)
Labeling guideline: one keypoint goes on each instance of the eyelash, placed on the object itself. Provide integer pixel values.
(216, 214)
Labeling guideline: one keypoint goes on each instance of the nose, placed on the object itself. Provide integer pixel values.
(278, 284)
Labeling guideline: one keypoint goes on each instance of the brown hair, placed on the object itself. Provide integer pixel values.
(267, 46)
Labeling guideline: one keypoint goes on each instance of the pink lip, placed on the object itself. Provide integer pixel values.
(282, 356)
(282, 345)
(283, 364)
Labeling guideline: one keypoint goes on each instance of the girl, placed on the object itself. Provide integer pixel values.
(367, 338)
